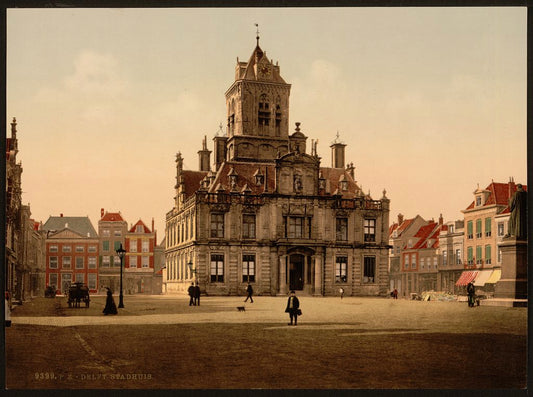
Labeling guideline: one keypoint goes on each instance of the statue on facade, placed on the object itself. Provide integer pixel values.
(518, 218)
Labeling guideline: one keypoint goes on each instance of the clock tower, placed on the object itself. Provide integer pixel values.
(257, 106)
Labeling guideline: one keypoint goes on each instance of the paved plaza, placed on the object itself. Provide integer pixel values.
(160, 342)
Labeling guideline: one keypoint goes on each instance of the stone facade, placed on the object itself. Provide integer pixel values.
(451, 257)
(269, 213)
(24, 244)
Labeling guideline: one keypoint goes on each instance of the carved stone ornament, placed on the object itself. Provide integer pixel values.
(219, 207)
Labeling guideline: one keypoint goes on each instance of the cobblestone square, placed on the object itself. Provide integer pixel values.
(160, 342)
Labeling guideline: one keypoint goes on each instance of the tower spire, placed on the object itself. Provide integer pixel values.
(257, 33)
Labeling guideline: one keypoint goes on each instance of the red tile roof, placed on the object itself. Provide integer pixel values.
(112, 217)
(400, 228)
(140, 222)
(246, 172)
(423, 234)
(192, 181)
(499, 194)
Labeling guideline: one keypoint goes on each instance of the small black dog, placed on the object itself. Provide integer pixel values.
(241, 308)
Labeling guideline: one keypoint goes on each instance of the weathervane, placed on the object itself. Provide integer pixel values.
(257, 33)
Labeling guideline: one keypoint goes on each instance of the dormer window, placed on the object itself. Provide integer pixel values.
(232, 175)
(478, 201)
(321, 181)
(343, 183)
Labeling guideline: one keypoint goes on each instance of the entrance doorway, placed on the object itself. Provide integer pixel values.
(296, 272)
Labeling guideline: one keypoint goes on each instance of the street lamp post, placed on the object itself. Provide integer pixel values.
(121, 252)
(192, 270)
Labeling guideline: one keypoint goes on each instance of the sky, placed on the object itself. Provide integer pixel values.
(430, 102)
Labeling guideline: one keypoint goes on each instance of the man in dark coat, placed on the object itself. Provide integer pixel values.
(518, 218)
(191, 293)
(471, 291)
(110, 307)
(197, 294)
(249, 291)
(293, 308)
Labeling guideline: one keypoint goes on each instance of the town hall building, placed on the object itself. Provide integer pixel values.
(267, 212)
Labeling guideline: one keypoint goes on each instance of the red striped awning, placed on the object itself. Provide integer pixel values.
(466, 277)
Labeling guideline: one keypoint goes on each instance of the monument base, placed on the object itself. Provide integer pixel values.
(513, 282)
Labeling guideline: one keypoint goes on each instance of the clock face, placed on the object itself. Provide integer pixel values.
(264, 71)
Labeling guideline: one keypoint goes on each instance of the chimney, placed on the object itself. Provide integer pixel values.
(152, 225)
(220, 150)
(101, 213)
(337, 155)
(512, 187)
(61, 215)
(400, 219)
(441, 220)
(204, 157)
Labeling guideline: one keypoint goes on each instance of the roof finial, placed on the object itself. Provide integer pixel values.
(257, 33)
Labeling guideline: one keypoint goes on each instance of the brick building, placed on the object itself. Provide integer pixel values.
(112, 229)
(401, 235)
(269, 213)
(71, 252)
(419, 260)
(139, 273)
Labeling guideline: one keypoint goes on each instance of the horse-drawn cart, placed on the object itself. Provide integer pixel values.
(77, 293)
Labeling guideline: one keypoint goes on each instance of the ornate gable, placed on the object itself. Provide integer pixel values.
(297, 173)
(66, 233)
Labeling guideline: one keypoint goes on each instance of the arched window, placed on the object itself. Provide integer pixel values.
(231, 117)
(278, 120)
(263, 116)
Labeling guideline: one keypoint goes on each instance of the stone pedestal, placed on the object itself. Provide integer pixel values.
(513, 282)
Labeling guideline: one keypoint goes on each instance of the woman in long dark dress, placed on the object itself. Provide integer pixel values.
(110, 307)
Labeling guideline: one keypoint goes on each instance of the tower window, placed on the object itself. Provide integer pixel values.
(278, 120)
(264, 111)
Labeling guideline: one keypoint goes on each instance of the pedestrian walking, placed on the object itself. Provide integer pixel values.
(250, 292)
(471, 291)
(191, 292)
(293, 308)
(8, 310)
(197, 294)
(110, 307)
(395, 293)
(341, 292)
